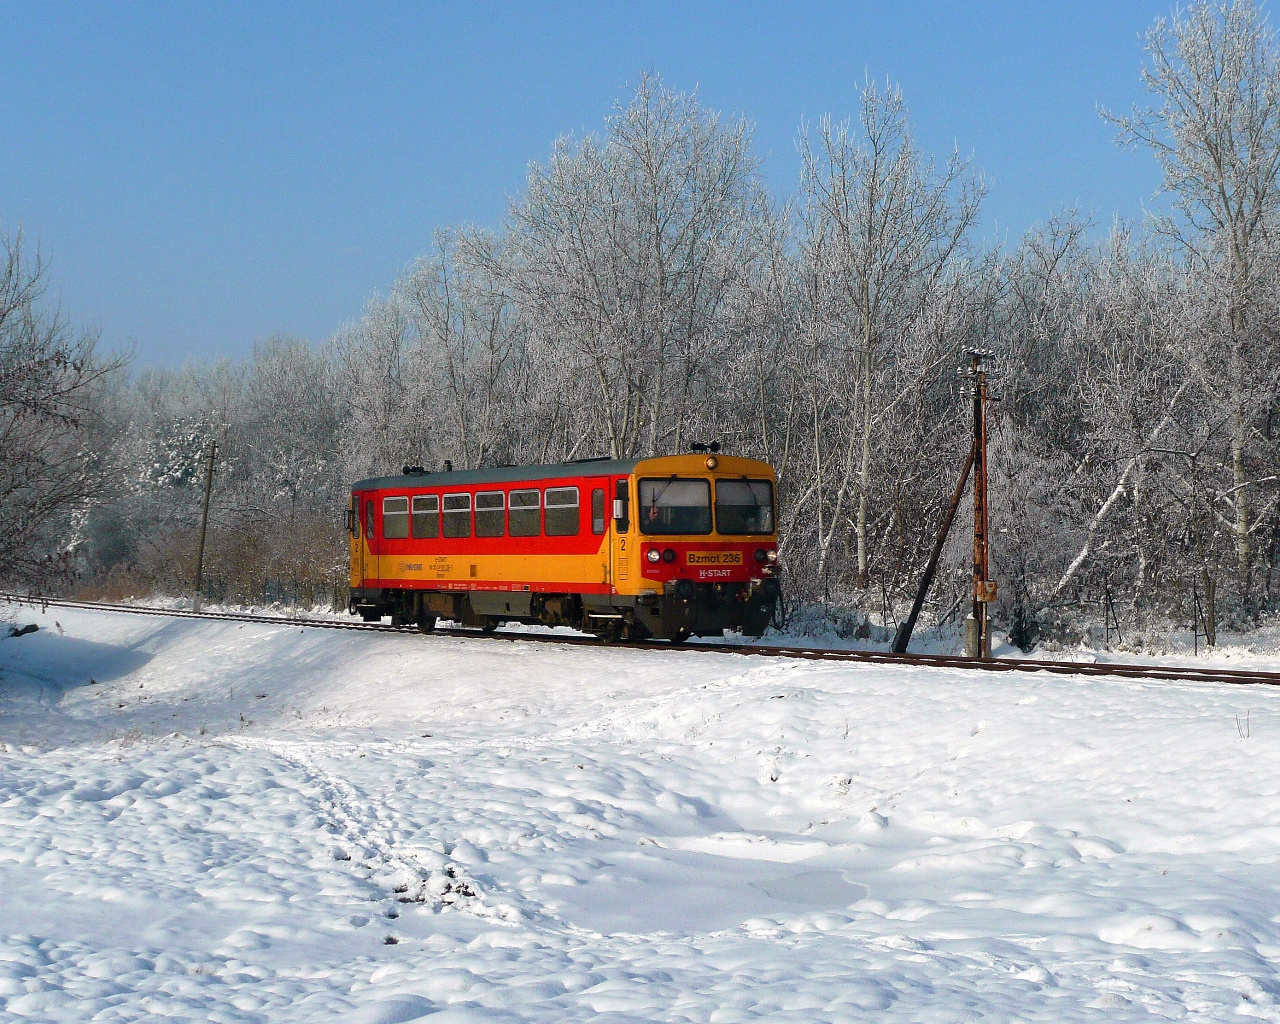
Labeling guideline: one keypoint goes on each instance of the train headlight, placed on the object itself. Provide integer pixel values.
(772, 555)
(668, 556)
(712, 462)
(653, 555)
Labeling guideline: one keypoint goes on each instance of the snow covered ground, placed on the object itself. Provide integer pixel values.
(240, 822)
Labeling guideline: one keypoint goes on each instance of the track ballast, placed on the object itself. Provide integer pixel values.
(1120, 669)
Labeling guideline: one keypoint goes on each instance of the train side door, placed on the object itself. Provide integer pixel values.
(620, 549)
(598, 488)
(355, 538)
(368, 559)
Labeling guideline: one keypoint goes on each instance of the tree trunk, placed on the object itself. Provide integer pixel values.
(1239, 427)
(864, 469)
(1210, 616)
(1239, 479)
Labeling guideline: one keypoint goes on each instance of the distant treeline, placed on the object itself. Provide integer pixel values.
(646, 291)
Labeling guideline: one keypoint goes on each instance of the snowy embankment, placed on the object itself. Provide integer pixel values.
(232, 821)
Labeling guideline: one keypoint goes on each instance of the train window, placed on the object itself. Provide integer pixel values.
(426, 515)
(744, 506)
(353, 518)
(523, 513)
(675, 506)
(368, 519)
(489, 514)
(562, 511)
(457, 515)
(621, 506)
(395, 518)
(597, 511)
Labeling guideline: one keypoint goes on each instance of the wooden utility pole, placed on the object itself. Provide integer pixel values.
(204, 524)
(978, 625)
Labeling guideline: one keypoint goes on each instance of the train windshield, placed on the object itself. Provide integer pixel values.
(675, 506)
(744, 506)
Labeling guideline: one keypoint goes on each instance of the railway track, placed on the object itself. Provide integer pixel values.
(1130, 670)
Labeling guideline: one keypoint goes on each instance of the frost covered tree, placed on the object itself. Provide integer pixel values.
(1094, 395)
(466, 347)
(626, 250)
(883, 227)
(54, 457)
(1214, 70)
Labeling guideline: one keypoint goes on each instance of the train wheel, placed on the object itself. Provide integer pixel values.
(680, 637)
(490, 624)
(426, 623)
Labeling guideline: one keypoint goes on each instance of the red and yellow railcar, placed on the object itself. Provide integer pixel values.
(666, 547)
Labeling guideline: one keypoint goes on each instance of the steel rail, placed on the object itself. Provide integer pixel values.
(1128, 670)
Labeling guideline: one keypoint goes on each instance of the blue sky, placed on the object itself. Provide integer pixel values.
(201, 175)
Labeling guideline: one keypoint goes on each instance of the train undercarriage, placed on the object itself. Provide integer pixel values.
(681, 610)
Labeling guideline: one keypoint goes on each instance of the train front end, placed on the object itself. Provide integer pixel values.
(696, 545)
